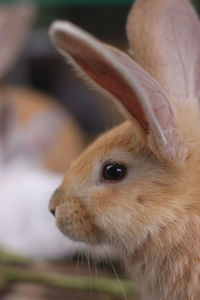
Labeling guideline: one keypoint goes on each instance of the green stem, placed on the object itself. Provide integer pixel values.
(8, 274)
(10, 258)
(107, 285)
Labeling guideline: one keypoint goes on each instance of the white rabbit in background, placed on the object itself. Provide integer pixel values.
(38, 140)
(26, 226)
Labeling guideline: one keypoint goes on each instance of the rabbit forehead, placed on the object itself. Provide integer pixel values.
(125, 137)
(125, 142)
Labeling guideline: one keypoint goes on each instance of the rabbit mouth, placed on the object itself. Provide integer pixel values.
(74, 221)
(73, 218)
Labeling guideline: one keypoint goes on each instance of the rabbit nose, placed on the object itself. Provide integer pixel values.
(52, 211)
(52, 208)
(55, 201)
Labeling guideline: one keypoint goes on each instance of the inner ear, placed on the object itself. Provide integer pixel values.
(99, 62)
(123, 79)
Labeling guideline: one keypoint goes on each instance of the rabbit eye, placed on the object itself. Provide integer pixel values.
(114, 171)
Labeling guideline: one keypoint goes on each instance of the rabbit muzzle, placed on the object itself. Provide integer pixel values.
(73, 218)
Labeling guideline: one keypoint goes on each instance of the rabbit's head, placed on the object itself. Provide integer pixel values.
(142, 175)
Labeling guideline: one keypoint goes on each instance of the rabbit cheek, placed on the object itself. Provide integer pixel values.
(74, 221)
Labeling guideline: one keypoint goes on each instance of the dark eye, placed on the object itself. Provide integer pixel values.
(114, 171)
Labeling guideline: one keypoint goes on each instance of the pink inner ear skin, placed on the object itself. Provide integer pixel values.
(167, 44)
(121, 91)
(114, 82)
(103, 72)
(118, 74)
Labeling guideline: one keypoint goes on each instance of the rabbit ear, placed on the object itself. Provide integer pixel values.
(167, 44)
(15, 21)
(122, 78)
(40, 133)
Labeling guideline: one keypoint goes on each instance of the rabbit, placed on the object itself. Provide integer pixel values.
(136, 188)
(38, 140)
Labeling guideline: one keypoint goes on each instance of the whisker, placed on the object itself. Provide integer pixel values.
(118, 279)
(77, 263)
(89, 269)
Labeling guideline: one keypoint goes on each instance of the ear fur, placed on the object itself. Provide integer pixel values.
(123, 79)
(166, 43)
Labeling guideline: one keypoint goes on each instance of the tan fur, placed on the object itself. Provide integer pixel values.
(155, 220)
(159, 43)
(152, 216)
(27, 104)
(145, 56)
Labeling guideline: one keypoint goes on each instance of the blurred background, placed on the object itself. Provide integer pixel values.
(40, 66)
(47, 117)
